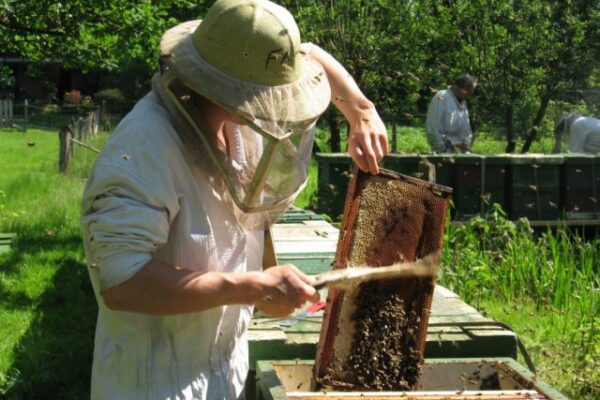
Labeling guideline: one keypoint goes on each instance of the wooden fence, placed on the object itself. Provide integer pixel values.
(77, 132)
(6, 112)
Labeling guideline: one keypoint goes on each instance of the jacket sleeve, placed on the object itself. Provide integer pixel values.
(124, 222)
(434, 124)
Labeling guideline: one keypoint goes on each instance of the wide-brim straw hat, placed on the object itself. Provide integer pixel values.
(245, 56)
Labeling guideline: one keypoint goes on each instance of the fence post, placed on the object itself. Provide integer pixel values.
(26, 104)
(65, 149)
(96, 120)
(4, 111)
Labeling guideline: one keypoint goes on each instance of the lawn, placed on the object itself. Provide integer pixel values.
(47, 310)
(546, 286)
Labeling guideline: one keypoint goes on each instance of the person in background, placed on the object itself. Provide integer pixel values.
(583, 133)
(176, 207)
(447, 125)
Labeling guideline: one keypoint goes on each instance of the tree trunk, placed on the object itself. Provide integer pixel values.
(334, 131)
(510, 134)
(536, 122)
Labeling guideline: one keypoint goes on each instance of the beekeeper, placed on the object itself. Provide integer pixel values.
(582, 132)
(175, 209)
(447, 124)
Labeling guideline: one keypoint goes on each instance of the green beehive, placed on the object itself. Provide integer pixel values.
(334, 174)
(444, 168)
(480, 181)
(581, 186)
(406, 164)
(535, 187)
(305, 239)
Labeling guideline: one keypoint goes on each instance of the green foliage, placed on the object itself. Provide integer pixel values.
(525, 53)
(88, 34)
(502, 265)
(6, 77)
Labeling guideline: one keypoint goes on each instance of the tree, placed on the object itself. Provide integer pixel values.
(524, 52)
(90, 35)
(375, 41)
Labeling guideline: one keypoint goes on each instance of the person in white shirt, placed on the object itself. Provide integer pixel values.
(447, 124)
(583, 133)
(176, 207)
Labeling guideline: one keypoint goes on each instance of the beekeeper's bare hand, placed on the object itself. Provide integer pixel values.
(367, 141)
(284, 288)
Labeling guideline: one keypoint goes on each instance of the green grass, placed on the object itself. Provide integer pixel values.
(47, 309)
(308, 197)
(545, 286)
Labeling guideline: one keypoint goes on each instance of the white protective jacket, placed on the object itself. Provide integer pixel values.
(147, 199)
(584, 135)
(447, 122)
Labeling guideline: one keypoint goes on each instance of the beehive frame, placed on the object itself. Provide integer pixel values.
(373, 335)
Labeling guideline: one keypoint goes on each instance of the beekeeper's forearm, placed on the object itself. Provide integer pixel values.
(162, 289)
(345, 93)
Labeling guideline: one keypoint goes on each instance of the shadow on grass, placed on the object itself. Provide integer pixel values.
(53, 358)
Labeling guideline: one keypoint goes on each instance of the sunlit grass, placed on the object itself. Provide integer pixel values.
(47, 309)
(547, 286)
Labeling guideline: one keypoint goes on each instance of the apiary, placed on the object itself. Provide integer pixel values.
(542, 188)
(442, 379)
(445, 168)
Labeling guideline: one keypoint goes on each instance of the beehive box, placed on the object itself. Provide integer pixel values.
(445, 168)
(581, 186)
(447, 379)
(535, 186)
(407, 164)
(480, 181)
(373, 334)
